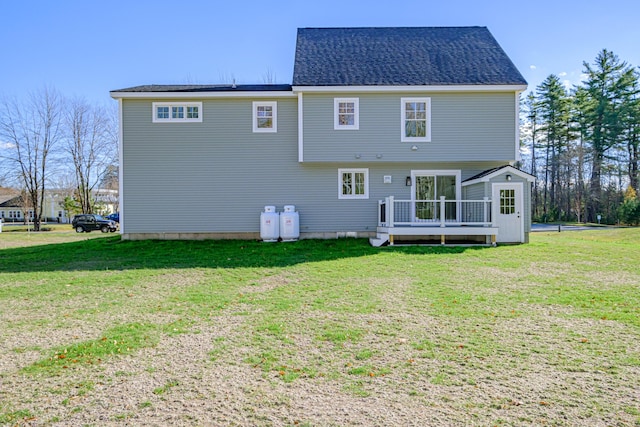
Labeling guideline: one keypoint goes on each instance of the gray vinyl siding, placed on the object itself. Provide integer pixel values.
(205, 177)
(464, 127)
(216, 176)
(475, 192)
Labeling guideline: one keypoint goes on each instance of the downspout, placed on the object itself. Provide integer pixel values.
(517, 156)
(300, 129)
(120, 166)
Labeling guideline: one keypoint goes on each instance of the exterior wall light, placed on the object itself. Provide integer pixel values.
(407, 181)
(508, 177)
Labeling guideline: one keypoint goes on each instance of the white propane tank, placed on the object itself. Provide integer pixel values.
(269, 224)
(289, 224)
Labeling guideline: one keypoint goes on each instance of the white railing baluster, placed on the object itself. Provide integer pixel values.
(467, 212)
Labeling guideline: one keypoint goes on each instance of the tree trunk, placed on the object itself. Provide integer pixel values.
(595, 189)
(633, 162)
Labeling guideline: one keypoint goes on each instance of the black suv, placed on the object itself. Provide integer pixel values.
(89, 222)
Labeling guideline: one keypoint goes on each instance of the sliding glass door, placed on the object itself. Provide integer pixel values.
(427, 190)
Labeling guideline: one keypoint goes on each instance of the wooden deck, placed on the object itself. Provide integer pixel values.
(435, 219)
(391, 234)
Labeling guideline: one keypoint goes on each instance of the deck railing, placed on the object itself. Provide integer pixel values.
(442, 212)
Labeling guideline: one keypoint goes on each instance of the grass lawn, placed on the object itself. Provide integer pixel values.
(96, 331)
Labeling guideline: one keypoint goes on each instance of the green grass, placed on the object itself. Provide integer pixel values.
(15, 417)
(50, 227)
(339, 312)
(120, 340)
(166, 387)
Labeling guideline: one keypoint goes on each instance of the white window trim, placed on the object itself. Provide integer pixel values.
(274, 106)
(437, 172)
(356, 114)
(354, 171)
(185, 105)
(403, 105)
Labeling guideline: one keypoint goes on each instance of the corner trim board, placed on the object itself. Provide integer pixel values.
(300, 129)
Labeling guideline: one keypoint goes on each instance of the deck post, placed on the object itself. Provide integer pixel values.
(442, 239)
(442, 211)
(486, 210)
(391, 213)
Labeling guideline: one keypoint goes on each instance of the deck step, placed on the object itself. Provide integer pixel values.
(380, 240)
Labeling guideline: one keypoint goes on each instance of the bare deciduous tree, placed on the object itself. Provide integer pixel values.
(269, 77)
(91, 146)
(30, 131)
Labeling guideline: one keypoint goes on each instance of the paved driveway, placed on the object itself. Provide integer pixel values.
(554, 227)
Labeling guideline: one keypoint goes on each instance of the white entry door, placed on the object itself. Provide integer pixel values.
(507, 212)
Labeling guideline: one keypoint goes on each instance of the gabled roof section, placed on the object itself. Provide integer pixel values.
(405, 56)
(486, 176)
(13, 202)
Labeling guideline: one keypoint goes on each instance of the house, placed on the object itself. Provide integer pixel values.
(11, 207)
(387, 133)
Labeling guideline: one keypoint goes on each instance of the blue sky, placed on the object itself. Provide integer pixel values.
(86, 48)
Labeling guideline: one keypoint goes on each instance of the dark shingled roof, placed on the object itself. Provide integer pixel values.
(401, 56)
(490, 171)
(206, 88)
(485, 173)
(12, 202)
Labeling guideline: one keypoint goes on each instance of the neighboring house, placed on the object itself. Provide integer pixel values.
(106, 200)
(388, 133)
(12, 209)
(7, 207)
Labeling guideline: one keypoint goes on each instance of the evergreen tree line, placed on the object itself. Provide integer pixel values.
(582, 145)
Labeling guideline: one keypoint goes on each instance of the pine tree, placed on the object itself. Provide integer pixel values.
(553, 104)
(609, 85)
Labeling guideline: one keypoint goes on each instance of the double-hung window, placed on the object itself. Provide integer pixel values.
(416, 119)
(265, 116)
(353, 183)
(346, 113)
(173, 112)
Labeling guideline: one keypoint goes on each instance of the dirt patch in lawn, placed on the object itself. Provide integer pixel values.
(204, 378)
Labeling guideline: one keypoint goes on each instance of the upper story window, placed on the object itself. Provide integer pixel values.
(165, 112)
(416, 119)
(346, 114)
(265, 116)
(353, 183)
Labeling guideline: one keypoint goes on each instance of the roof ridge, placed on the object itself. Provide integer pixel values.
(391, 27)
(222, 87)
